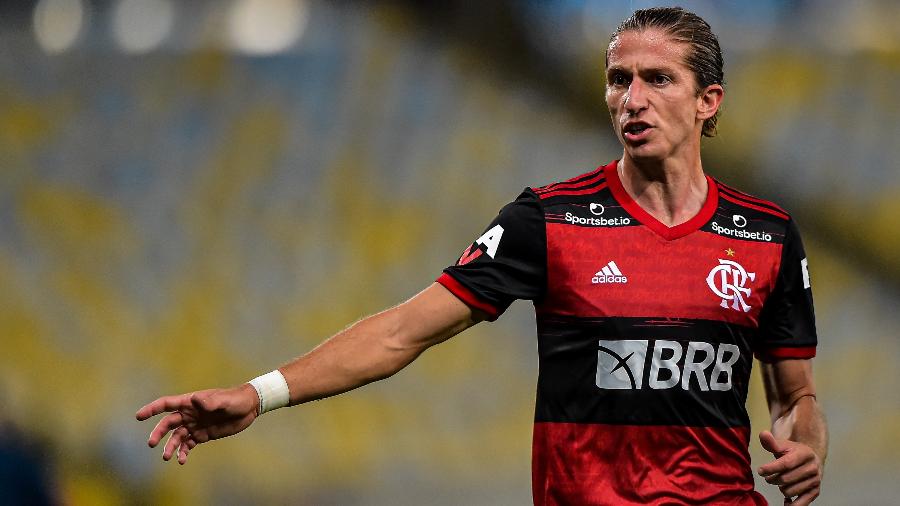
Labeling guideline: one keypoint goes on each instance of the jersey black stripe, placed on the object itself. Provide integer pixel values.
(743, 197)
(564, 197)
(568, 191)
(753, 198)
(574, 181)
(571, 350)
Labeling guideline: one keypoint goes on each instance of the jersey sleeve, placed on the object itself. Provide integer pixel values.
(507, 262)
(787, 326)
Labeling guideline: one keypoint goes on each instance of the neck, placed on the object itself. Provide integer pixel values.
(672, 190)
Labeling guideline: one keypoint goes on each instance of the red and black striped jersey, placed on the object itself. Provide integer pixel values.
(646, 334)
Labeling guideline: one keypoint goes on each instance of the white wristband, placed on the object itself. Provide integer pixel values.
(272, 390)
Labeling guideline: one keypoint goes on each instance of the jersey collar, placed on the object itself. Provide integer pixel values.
(668, 233)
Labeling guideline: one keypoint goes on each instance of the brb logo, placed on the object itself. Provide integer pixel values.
(621, 365)
(727, 280)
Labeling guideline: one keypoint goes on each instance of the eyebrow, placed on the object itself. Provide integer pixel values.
(649, 70)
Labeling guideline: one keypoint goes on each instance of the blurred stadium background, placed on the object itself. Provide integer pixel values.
(192, 192)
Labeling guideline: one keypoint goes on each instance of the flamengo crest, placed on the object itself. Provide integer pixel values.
(727, 280)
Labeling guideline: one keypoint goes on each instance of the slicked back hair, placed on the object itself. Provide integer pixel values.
(704, 57)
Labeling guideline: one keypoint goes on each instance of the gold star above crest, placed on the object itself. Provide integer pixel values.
(729, 252)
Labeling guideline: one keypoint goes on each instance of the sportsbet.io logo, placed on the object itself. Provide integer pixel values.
(597, 209)
(621, 365)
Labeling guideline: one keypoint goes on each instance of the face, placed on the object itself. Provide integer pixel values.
(652, 95)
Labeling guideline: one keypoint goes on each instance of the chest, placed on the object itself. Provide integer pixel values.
(629, 271)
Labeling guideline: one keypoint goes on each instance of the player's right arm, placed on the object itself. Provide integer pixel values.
(369, 350)
(378, 346)
(506, 263)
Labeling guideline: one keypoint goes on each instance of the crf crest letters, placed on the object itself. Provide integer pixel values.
(727, 280)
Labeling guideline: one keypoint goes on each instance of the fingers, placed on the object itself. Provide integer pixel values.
(774, 468)
(796, 463)
(174, 442)
(165, 424)
(800, 488)
(797, 472)
(186, 447)
(803, 472)
(804, 499)
(184, 411)
(788, 461)
(167, 403)
(180, 443)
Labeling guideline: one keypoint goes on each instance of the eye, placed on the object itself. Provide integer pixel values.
(661, 79)
(618, 79)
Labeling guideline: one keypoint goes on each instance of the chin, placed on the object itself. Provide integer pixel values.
(645, 153)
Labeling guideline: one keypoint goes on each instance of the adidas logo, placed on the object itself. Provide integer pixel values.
(610, 273)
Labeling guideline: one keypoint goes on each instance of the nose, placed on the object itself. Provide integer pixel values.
(636, 97)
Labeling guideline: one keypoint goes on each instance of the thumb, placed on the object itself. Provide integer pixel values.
(770, 444)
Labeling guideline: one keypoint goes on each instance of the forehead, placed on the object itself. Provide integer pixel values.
(646, 48)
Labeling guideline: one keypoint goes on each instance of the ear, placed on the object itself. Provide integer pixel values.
(709, 100)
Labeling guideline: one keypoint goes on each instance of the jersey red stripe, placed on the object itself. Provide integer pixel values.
(571, 185)
(585, 191)
(575, 181)
(771, 354)
(754, 206)
(674, 285)
(466, 295)
(653, 465)
(574, 186)
(751, 198)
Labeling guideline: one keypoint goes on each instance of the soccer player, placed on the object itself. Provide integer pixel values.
(654, 285)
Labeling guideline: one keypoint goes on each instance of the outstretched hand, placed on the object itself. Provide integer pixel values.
(197, 417)
(796, 470)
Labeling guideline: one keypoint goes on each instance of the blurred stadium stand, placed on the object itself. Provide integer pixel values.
(193, 192)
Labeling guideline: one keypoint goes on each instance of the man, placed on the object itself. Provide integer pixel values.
(653, 286)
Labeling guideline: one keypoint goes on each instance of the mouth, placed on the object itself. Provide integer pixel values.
(636, 130)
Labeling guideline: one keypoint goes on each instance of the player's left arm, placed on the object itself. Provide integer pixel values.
(799, 436)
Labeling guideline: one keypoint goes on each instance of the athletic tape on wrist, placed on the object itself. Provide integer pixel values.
(272, 390)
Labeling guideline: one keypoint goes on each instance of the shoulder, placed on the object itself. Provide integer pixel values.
(587, 183)
(740, 215)
(740, 200)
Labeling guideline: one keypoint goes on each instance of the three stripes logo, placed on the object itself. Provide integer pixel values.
(610, 273)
